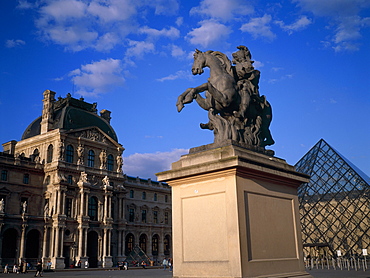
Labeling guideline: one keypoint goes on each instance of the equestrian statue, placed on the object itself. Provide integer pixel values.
(236, 111)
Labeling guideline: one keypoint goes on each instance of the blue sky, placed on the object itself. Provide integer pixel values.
(134, 57)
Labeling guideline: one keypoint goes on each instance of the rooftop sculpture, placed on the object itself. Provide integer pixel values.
(236, 111)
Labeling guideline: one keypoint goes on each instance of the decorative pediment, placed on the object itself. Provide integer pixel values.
(93, 134)
(4, 191)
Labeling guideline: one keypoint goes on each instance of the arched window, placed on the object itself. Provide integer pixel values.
(49, 157)
(91, 158)
(129, 244)
(93, 208)
(110, 162)
(142, 242)
(155, 241)
(69, 154)
(167, 245)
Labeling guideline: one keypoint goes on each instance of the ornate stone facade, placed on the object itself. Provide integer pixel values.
(65, 199)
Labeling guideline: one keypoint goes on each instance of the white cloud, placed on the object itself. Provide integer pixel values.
(345, 19)
(179, 21)
(145, 165)
(138, 48)
(14, 43)
(178, 75)
(63, 10)
(177, 51)
(172, 32)
(107, 42)
(259, 27)
(299, 25)
(164, 7)
(98, 77)
(222, 9)
(24, 4)
(78, 25)
(208, 33)
(112, 10)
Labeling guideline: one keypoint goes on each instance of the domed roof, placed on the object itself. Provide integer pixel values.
(70, 113)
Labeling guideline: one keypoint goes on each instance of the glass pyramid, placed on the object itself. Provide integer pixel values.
(334, 205)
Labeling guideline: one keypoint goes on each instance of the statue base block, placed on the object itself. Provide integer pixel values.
(235, 214)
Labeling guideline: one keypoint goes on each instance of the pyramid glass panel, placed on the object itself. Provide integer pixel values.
(334, 205)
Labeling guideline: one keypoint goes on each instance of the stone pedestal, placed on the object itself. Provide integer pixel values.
(107, 261)
(235, 214)
(58, 263)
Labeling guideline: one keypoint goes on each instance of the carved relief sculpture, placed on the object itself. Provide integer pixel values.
(103, 159)
(80, 154)
(119, 161)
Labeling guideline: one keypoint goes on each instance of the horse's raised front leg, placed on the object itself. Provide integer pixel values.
(189, 95)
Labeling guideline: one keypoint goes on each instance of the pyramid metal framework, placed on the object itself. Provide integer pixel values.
(334, 205)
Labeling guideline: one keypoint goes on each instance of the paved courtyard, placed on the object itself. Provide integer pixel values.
(149, 273)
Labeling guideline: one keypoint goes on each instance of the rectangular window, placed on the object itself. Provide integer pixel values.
(143, 216)
(155, 217)
(4, 175)
(131, 194)
(68, 207)
(70, 179)
(166, 198)
(144, 195)
(26, 178)
(131, 215)
(166, 217)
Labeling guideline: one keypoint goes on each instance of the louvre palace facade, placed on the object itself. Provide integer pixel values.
(64, 198)
(334, 205)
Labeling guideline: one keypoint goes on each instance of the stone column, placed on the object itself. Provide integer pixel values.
(110, 206)
(80, 242)
(109, 241)
(104, 242)
(22, 243)
(57, 202)
(82, 203)
(61, 236)
(85, 240)
(57, 242)
(52, 242)
(106, 215)
(119, 247)
(63, 202)
(44, 244)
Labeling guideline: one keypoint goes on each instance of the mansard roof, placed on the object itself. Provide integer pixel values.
(70, 114)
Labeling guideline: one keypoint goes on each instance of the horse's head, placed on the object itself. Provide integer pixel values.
(199, 62)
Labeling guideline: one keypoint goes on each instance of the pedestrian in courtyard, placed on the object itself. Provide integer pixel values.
(38, 269)
(24, 267)
(125, 265)
(165, 263)
(170, 264)
(143, 264)
(6, 269)
(15, 269)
